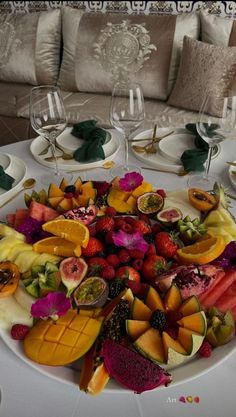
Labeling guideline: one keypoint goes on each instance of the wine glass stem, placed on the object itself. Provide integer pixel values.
(208, 162)
(52, 139)
(126, 152)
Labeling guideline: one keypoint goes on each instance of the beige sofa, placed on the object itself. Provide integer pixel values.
(86, 52)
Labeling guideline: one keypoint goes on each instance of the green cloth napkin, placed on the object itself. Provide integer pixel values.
(94, 138)
(193, 159)
(6, 180)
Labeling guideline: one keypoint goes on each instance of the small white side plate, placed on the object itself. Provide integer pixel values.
(17, 169)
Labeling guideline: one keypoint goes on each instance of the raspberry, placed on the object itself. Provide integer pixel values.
(136, 254)
(109, 238)
(113, 260)
(137, 264)
(134, 286)
(19, 331)
(205, 350)
(172, 332)
(124, 256)
(126, 227)
(110, 211)
(108, 272)
(161, 192)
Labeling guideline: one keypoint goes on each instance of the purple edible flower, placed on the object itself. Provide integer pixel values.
(130, 181)
(130, 240)
(54, 304)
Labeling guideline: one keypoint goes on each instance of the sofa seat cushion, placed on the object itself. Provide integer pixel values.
(12, 97)
(30, 47)
(100, 49)
(84, 106)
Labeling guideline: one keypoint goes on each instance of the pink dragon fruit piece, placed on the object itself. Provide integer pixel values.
(132, 370)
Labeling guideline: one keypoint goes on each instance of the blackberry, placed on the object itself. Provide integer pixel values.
(158, 320)
(70, 189)
(116, 286)
(149, 237)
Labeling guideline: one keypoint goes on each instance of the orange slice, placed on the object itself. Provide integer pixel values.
(72, 230)
(202, 252)
(55, 246)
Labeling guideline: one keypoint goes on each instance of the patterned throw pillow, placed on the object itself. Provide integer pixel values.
(101, 48)
(30, 47)
(203, 67)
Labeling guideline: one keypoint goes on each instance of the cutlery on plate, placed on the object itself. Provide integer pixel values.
(180, 173)
(29, 183)
(64, 155)
(150, 148)
(106, 165)
(233, 164)
(156, 138)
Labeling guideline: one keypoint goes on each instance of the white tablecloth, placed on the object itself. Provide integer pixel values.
(24, 392)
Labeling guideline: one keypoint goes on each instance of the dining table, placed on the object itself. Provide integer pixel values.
(27, 391)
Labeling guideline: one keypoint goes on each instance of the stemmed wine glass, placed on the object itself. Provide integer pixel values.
(48, 118)
(217, 122)
(126, 115)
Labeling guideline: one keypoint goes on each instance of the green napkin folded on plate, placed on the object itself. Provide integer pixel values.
(193, 159)
(94, 138)
(6, 180)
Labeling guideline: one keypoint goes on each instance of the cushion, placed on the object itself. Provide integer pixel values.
(30, 47)
(203, 67)
(101, 48)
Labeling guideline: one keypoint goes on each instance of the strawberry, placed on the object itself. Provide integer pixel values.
(19, 331)
(142, 227)
(105, 224)
(153, 266)
(92, 229)
(108, 273)
(127, 273)
(110, 211)
(165, 244)
(136, 254)
(96, 266)
(151, 250)
(93, 247)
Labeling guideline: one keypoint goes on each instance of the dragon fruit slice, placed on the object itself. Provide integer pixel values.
(131, 369)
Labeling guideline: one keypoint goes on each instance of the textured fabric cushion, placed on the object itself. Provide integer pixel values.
(30, 47)
(203, 67)
(100, 48)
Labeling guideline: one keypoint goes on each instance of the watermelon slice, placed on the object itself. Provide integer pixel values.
(11, 219)
(233, 311)
(210, 297)
(228, 299)
(20, 216)
(41, 212)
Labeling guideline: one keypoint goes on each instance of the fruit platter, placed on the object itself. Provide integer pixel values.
(130, 286)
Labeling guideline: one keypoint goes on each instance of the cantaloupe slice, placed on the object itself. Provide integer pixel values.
(195, 322)
(173, 298)
(151, 346)
(190, 340)
(190, 306)
(135, 328)
(140, 311)
(153, 300)
(174, 351)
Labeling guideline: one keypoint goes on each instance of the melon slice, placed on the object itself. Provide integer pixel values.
(136, 328)
(151, 346)
(174, 351)
(195, 322)
(190, 340)
(153, 300)
(140, 311)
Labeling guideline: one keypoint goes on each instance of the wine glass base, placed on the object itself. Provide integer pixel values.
(203, 183)
(121, 170)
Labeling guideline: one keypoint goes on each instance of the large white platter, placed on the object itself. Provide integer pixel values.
(232, 176)
(169, 149)
(182, 374)
(16, 168)
(39, 144)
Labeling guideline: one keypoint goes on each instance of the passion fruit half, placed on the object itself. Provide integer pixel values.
(92, 292)
(150, 203)
(169, 215)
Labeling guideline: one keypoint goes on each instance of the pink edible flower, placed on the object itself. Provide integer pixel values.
(53, 305)
(130, 181)
(130, 240)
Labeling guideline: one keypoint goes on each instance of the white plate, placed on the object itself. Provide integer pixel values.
(16, 168)
(39, 144)
(70, 143)
(173, 146)
(5, 160)
(189, 371)
(169, 149)
(232, 176)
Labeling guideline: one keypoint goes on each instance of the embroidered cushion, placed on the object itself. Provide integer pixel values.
(203, 67)
(101, 48)
(30, 47)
